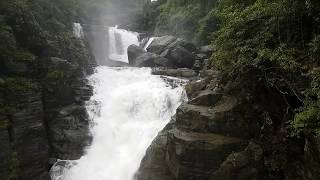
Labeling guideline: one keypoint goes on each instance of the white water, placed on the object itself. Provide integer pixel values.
(133, 107)
(77, 30)
(119, 41)
(148, 43)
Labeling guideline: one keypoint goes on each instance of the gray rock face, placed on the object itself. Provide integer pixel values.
(29, 137)
(134, 51)
(200, 143)
(65, 114)
(180, 56)
(243, 165)
(153, 165)
(193, 155)
(180, 72)
(159, 44)
(207, 50)
(206, 98)
(68, 132)
(178, 51)
(152, 60)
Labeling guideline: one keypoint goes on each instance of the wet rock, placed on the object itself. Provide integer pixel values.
(152, 60)
(18, 67)
(30, 138)
(193, 156)
(243, 165)
(180, 56)
(69, 132)
(134, 51)
(193, 87)
(153, 165)
(5, 147)
(180, 72)
(220, 119)
(159, 44)
(207, 50)
(206, 98)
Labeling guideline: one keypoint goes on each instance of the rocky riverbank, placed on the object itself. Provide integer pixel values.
(224, 131)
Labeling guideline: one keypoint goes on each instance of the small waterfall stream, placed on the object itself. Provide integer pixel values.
(119, 41)
(129, 107)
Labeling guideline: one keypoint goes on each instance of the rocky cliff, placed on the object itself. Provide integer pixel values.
(227, 130)
(43, 88)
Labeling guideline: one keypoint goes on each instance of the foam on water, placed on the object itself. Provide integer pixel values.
(133, 107)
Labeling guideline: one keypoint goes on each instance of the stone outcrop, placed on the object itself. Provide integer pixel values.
(166, 51)
(202, 139)
(183, 73)
(43, 119)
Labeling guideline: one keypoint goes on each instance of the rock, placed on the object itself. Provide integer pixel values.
(113, 63)
(180, 56)
(207, 50)
(243, 165)
(5, 148)
(69, 132)
(193, 156)
(183, 43)
(221, 119)
(152, 60)
(159, 44)
(134, 51)
(17, 67)
(153, 165)
(180, 72)
(206, 98)
(30, 138)
(195, 86)
(312, 154)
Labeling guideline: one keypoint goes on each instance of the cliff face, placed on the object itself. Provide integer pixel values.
(43, 88)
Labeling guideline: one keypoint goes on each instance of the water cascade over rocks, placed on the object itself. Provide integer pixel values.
(77, 30)
(119, 41)
(128, 109)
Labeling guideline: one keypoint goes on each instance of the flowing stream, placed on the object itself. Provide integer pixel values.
(128, 109)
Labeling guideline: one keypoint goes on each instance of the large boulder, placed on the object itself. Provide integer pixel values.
(194, 156)
(180, 56)
(244, 165)
(134, 51)
(152, 60)
(159, 44)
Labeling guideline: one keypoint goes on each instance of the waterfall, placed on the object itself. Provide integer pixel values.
(119, 41)
(77, 30)
(133, 106)
(148, 43)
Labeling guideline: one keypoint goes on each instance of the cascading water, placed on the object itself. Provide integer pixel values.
(148, 43)
(129, 107)
(77, 30)
(119, 41)
(133, 107)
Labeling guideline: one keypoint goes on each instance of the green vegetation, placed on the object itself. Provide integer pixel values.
(268, 51)
(31, 31)
(184, 18)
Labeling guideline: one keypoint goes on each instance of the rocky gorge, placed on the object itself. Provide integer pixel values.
(252, 74)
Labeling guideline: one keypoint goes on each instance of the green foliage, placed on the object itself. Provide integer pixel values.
(280, 41)
(178, 17)
(309, 116)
